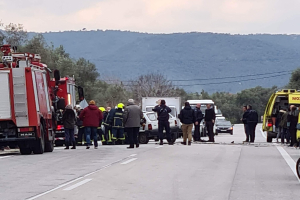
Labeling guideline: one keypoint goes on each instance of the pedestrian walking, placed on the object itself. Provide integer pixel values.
(292, 120)
(163, 111)
(69, 119)
(188, 118)
(91, 117)
(210, 117)
(199, 117)
(283, 125)
(244, 120)
(115, 120)
(252, 120)
(132, 122)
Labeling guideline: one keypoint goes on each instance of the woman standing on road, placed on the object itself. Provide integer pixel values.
(69, 119)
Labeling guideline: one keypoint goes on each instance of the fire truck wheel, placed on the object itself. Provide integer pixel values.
(25, 151)
(49, 146)
(40, 144)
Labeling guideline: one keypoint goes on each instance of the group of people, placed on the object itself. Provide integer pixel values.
(189, 118)
(116, 122)
(286, 125)
(250, 120)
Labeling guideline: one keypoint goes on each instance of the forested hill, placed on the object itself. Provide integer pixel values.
(125, 55)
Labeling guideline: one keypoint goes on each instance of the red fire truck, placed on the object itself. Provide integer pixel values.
(26, 112)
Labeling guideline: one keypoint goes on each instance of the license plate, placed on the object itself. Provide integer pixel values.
(59, 131)
(27, 134)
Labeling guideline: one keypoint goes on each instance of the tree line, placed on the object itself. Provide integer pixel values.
(109, 93)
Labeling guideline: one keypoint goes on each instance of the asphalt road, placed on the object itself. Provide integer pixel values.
(218, 171)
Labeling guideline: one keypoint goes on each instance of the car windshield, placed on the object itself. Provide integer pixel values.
(152, 116)
(223, 122)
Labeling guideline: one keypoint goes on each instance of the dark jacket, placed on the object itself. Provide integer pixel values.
(105, 119)
(283, 122)
(91, 116)
(132, 116)
(198, 114)
(187, 115)
(245, 115)
(292, 119)
(162, 112)
(115, 118)
(69, 119)
(209, 115)
(252, 117)
(79, 122)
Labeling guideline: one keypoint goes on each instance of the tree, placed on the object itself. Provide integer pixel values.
(295, 80)
(15, 34)
(153, 85)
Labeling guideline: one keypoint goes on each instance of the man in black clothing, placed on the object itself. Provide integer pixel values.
(252, 120)
(163, 121)
(199, 117)
(244, 120)
(187, 118)
(210, 117)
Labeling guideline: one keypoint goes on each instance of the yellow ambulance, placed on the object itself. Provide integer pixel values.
(281, 99)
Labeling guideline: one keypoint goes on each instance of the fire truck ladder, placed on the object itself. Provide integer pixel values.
(20, 96)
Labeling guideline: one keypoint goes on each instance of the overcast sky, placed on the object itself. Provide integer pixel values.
(155, 16)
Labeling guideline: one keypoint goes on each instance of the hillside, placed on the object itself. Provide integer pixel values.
(125, 55)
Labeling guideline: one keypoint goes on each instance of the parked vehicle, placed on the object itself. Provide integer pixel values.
(223, 126)
(149, 131)
(279, 100)
(26, 112)
(298, 168)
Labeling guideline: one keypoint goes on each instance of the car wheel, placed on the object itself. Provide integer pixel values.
(298, 168)
(25, 151)
(143, 138)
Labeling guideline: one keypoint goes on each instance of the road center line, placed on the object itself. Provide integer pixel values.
(77, 184)
(288, 160)
(128, 161)
(2, 157)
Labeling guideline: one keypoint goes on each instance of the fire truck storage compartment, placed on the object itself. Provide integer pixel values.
(5, 109)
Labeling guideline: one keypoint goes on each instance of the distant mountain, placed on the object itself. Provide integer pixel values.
(125, 55)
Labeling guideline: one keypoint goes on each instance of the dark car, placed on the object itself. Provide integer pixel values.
(223, 126)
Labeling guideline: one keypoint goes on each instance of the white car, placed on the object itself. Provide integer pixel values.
(149, 131)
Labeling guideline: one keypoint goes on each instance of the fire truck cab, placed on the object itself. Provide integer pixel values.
(26, 110)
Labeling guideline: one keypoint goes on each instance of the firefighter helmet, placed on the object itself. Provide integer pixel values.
(102, 109)
(120, 105)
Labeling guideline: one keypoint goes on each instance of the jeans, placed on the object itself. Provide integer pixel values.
(197, 132)
(91, 131)
(285, 134)
(132, 133)
(161, 126)
(69, 137)
(187, 132)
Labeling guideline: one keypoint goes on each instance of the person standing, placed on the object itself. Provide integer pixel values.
(292, 120)
(252, 120)
(132, 122)
(91, 117)
(100, 130)
(163, 121)
(107, 127)
(188, 118)
(210, 117)
(244, 120)
(283, 125)
(199, 117)
(115, 120)
(69, 119)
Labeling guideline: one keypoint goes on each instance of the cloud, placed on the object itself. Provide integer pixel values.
(156, 16)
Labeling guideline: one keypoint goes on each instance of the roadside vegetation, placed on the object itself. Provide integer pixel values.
(109, 93)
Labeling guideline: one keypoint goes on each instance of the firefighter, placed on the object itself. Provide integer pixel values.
(107, 127)
(115, 119)
(99, 129)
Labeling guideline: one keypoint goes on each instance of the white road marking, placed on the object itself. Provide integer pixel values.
(132, 155)
(263, 133)
(2, 157)
(63, 185)
(128, 161)
(288, 160)
(77, 184)
(158, 147)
